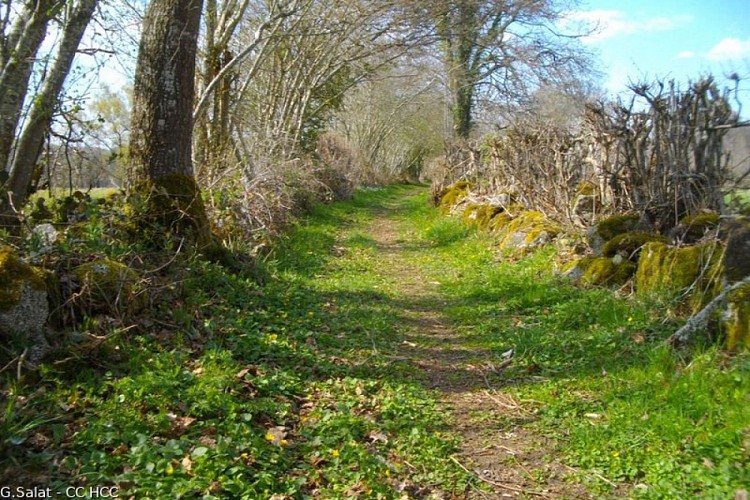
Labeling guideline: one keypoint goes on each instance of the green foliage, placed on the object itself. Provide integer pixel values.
(229, 389)
(622, 408)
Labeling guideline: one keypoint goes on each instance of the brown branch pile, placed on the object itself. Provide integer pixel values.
(660, 155)
(666, 161)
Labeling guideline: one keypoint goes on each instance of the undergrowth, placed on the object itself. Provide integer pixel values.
(242, 390)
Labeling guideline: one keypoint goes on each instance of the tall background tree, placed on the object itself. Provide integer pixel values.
(499, 50)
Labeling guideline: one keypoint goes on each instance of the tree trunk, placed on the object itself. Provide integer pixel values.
(458, 33)
(24, 40)
(161, 134)
(32, 138)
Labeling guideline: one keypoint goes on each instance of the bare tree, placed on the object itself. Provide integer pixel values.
(18, 51)
(31, 140)
(501, 49)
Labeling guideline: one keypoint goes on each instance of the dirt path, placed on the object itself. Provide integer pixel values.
(496, 447)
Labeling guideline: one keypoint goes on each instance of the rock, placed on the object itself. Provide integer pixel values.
(23, 304)
(692, 228)
(736, 260)
(629, 244)
(109, 286)
(736, 319)
(529, 230)
(666, 269)
(601, 271)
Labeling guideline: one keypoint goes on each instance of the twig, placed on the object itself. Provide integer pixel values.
(21, 360)
(9, 364)
(699, 320)
(179, 247)
(504, 486)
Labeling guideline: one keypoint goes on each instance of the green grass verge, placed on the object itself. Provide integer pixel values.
(237, 390)
(621, 406)
(244, 391)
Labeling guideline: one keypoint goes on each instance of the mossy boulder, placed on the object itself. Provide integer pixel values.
(616, 225)
(108, 286)
(629, 245)
(530, 229)
(15, 275)
(667, 269)
(450, 196)
(23, 303)
(601, 271)
(499, 221)
(737, 319)
(692, 228)
(480, 215)
(737, 257)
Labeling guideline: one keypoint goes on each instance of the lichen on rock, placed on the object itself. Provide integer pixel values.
(450, 196)
(629, 244)
(480, 215)
(601, 271)
(529, 230)
(23, 303)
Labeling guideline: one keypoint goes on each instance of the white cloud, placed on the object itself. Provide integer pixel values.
(686, 54)
(730, 49)
(612, 23)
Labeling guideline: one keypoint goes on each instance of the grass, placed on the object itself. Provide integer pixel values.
(620, 404)
(235, 389)
(243, 391)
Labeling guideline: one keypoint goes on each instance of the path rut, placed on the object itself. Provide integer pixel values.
(496, 447)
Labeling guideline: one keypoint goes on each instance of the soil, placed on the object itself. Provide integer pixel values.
(497, 448)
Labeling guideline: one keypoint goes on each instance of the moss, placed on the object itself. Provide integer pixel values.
(109, 285)
(528, 229)
(629, 244)
(174, 201)
(695, 226)
(737, 319)
(480, 215)
(499, 221)
(14, 275)
(605, 271)
(453, 194)
(616, 225)
(667, 269)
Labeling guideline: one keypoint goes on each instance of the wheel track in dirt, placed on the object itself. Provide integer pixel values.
(497, 448)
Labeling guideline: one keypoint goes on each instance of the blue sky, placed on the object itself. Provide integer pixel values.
(672, 39)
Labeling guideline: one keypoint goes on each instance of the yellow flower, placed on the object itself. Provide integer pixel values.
(284, 442)
(270, 437)
(335, 453)
(169, 470)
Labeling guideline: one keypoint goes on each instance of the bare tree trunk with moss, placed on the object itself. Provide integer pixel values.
(31, 141)
(161, 167)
